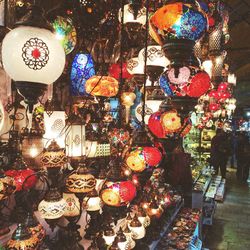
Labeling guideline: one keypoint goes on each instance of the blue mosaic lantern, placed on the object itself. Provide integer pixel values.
(82, 69)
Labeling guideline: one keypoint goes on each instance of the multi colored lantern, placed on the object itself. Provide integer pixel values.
(168, 124)
(141, 158)
(102, 86)
(117, 194)
(65, 33)
(82, 69)
(22, 238)
(81, 182)
(119, 137)
(53, 205)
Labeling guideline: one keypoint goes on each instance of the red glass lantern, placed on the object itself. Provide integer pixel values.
(115, 71)
(152, 156)
(154, 124)
(199, 85)
(24, 178)
(214, 106)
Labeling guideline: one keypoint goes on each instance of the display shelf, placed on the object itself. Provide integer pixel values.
(154, 244)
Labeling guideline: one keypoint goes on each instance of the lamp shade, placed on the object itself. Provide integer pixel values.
(82, 69)
(32, 54)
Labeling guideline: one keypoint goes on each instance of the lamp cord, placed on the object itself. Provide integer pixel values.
(145, 64)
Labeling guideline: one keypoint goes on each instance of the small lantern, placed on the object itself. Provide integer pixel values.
(127, 232)
(121, 240)
(22, 238)
(143, 218)
(53, 205)
(109, 235)
(92, 201)
(137, 229)
(73, 206)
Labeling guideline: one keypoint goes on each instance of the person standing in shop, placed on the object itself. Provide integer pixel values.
(243, 156)
(220, 151)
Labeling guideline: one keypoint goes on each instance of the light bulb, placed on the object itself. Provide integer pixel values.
(34, 151)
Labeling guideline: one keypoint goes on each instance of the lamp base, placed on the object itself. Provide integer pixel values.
(154, 72)
(30, 91)
(180, 52)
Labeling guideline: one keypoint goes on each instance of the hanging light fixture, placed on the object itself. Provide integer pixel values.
(176, 26)
(137, 229)
(32, 56)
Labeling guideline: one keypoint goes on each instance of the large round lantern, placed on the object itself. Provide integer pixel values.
(141, 158)
(32, 56)
(81, 182)
(177, 26)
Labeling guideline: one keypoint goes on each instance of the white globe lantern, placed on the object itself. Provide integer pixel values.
(32, 56)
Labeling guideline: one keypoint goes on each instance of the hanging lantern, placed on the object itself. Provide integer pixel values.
(119, 137)
(53, 205)
(127, 232)
(121, 240)
(7, 186)
(115, 71)
(54, 124)
(102, 86)
(136, 68)
(22, 238)
(177, 26)
(141, 158)
(73, 206)
(127, 99)
(54, 156)
(65, 32)
(82, 69)
(81, 182)
(75, 140)
(32, 56)
(215, 40)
